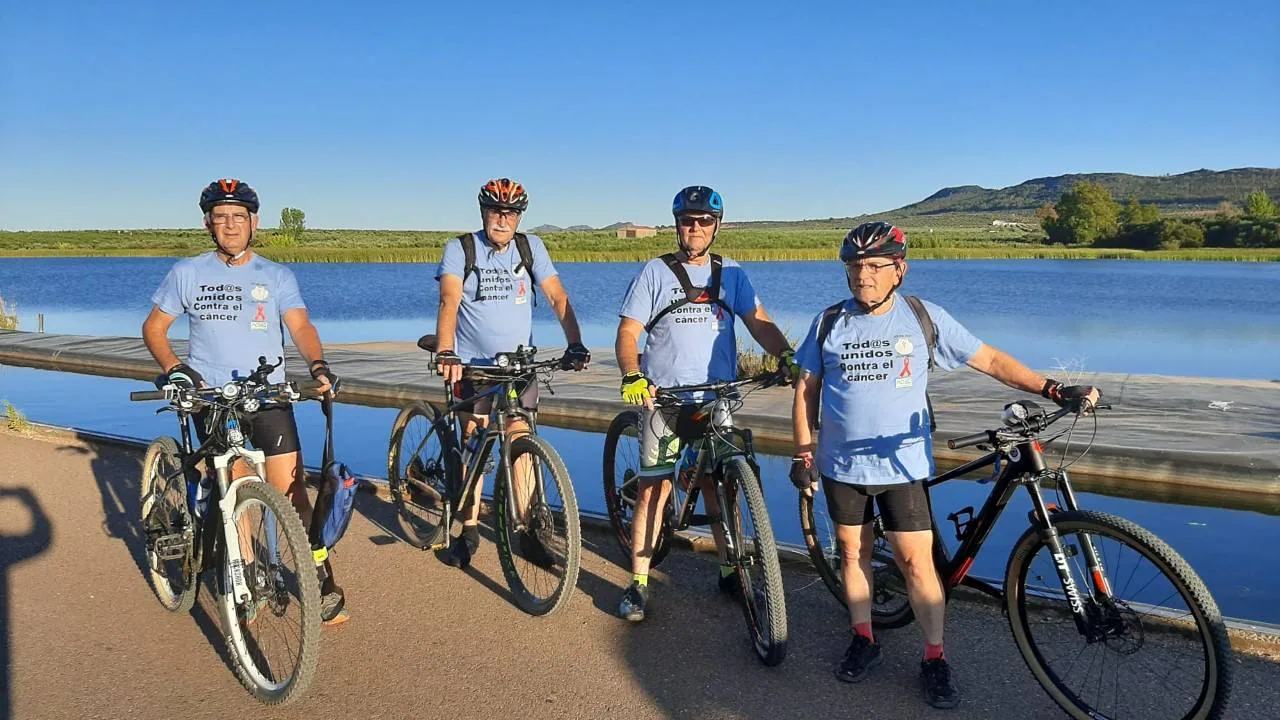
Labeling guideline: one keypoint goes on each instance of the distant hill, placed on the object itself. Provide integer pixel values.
(546, 229)
(972, 204)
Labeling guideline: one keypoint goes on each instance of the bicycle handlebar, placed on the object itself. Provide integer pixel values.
(1026, 427)
(147, 395)
(763, 379)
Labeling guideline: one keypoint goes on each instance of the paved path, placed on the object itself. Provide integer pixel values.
(86, 638)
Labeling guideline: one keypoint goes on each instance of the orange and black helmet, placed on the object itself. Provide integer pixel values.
(228, 192)
(504, 194)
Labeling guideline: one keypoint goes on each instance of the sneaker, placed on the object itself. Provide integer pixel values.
(861, 656)
(461, 551)
(333, 609)
(533, 550)
(938, 689)
(634, 598)
(729, 584)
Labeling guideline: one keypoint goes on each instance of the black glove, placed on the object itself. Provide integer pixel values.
(183, 376)
(1065, 395)
(804, 471)
(320, 371)
(577, 355)
(447, 357)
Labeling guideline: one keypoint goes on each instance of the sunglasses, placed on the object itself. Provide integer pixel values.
(699, 220)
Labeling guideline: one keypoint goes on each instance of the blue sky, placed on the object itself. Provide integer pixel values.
(390, 115)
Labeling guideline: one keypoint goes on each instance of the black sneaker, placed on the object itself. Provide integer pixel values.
(333, 609)
(938, 689)
(634, 598)
(729, 584)
(461, 551)
(861, 656)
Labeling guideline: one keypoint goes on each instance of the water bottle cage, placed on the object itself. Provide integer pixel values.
(961, 519)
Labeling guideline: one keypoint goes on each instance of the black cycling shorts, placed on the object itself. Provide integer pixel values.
(271, 430)
(903, 507)
(466, 388)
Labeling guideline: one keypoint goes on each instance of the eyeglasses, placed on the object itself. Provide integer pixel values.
(503, 214)
(700, 220)
(234, 219)
(873, 268)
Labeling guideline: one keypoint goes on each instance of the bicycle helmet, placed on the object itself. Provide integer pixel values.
(698, 198)
(228, 192)
(873, 239)
(504, 194)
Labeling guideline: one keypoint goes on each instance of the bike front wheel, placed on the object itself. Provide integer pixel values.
(539, 537)
(421, 468)
(167, 526)
(1154, 644)
(274, 638)
(755, 555)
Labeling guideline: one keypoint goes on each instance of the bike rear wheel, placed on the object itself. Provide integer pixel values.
(1160, 648)
(168, 527)
(422, 467)
(539, 537)
(274, 639)
(759, 571)
(890, 607)
(621, 470)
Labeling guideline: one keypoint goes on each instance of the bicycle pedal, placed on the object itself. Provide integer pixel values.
(170, 547)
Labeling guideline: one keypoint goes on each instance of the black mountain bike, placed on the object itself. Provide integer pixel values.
(728, 456)
(1109, 618)
(248, 532)
(431, 474)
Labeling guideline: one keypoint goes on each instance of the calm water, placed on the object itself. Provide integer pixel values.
(1206, 319)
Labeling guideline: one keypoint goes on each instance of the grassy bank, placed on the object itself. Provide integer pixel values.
(594, 246)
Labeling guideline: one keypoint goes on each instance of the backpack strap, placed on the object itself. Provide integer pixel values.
(692, 295)
(926, 325)
(828, 321)
(930, 340)
(526, 262)
(468, 242)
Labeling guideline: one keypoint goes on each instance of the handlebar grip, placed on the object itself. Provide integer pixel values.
(968, 440)
(309, 387)
(147, 395)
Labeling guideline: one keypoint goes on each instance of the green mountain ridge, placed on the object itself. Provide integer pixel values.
(973, 204)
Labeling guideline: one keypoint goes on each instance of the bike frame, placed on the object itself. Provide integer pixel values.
(504, 406)
(1019, 464)
(223, 455)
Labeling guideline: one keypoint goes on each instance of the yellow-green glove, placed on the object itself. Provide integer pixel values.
(787, 364)
(635, 388)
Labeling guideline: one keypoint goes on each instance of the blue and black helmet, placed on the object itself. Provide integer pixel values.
(699, 199)
(228, 192)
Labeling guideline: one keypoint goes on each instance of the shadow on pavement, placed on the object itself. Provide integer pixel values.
(25, 533)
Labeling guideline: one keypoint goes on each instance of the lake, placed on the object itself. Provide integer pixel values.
(1174, 318)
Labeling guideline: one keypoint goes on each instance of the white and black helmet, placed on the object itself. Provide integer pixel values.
(873, 239)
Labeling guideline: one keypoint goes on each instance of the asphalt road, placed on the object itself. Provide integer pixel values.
(85, 638)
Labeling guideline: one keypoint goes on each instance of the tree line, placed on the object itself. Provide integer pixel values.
(1088, 215)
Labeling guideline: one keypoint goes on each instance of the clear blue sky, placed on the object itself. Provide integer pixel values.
(390, 115)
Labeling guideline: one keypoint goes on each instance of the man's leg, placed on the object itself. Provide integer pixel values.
(851, 512)
(659, 448)
(909, 526)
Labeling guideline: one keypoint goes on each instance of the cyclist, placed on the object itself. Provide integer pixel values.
(871, 372)
(237, 305)
(486, 287)
(687, 302)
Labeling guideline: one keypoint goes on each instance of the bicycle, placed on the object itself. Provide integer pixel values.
(728, 456)
(431, 474)
(248, 530)
(1060, 611)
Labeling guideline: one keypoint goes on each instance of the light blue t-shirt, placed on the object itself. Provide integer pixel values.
(693, 344)
(503, 319)
(874, 370)
(235, 313)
